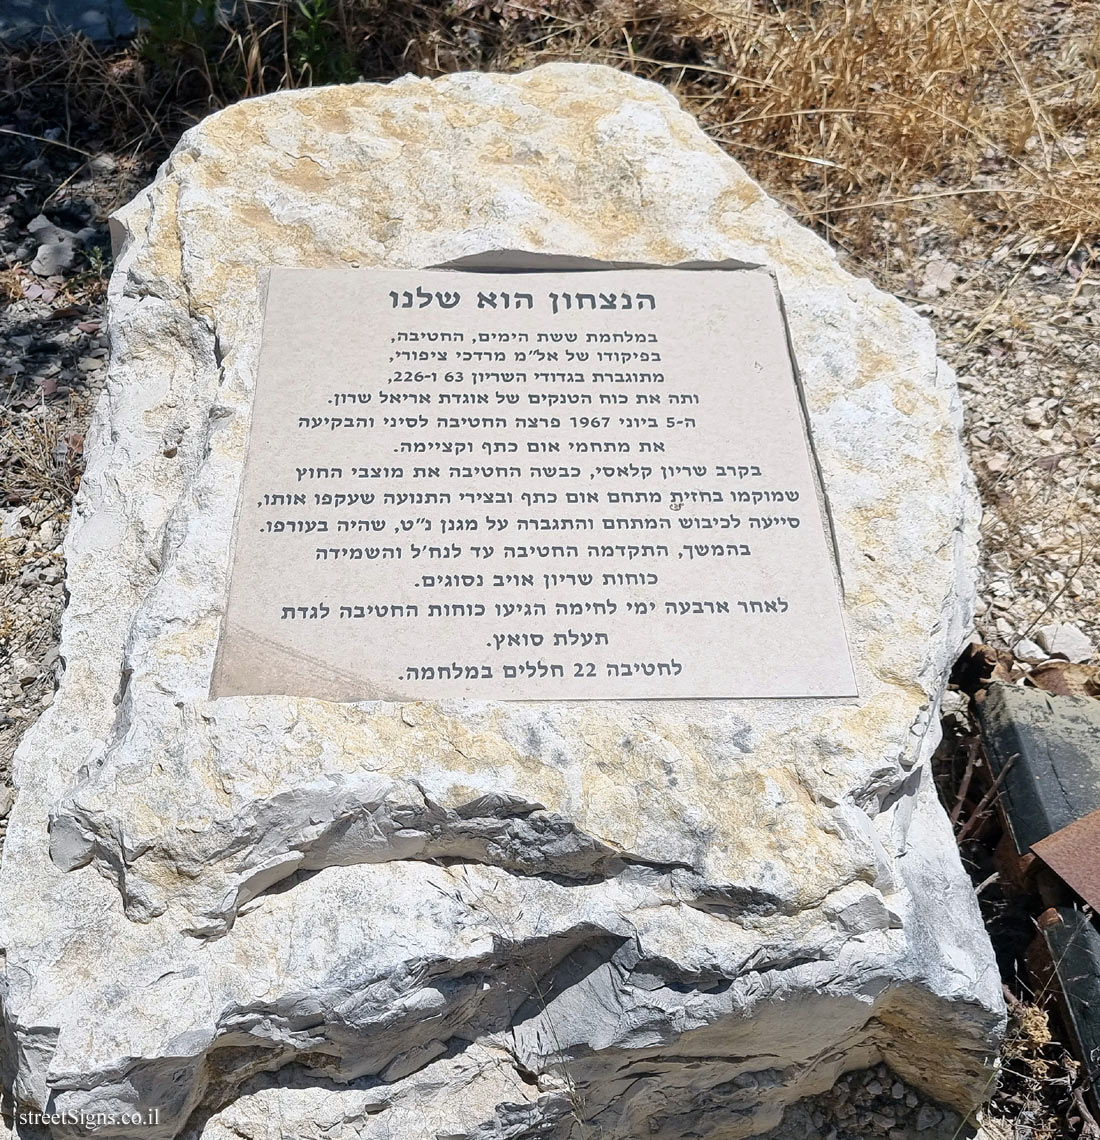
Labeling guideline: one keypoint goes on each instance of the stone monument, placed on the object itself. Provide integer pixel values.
(253, 912)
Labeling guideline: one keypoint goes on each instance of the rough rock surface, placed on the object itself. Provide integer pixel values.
(620, 919)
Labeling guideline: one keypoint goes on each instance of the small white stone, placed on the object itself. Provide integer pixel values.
(939, 275)
(104, 164)
(14, 522)
(954, 703)
(1064, 640)
(1027, 650)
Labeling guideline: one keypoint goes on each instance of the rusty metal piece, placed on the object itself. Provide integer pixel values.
(1073, 853)
(1065, 679)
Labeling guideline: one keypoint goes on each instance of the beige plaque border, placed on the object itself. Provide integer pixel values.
(270, 668)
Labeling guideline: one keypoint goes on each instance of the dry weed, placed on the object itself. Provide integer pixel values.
(847, 109)
(853, 108)
(39, 461)
(1039, 1093)
(11, 286)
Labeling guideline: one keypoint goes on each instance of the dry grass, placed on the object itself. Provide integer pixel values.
(39, 461)
(849, 109)
(846, 109)
(1039, 1081)
(857, 104)
(11, 287)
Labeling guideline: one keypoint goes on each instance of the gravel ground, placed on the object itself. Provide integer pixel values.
(1019, 321)
(868, 1105)
(1020, 324)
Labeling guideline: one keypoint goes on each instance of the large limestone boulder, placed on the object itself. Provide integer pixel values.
(462, 919)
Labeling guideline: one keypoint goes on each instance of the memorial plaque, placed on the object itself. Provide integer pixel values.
(530, 486)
